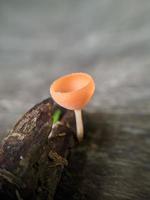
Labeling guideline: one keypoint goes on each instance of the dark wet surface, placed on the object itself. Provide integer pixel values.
(112, 162)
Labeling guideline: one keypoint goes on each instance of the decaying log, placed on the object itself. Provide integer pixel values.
(30, 163)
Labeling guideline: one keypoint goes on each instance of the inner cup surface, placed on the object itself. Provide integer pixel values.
(71, 83)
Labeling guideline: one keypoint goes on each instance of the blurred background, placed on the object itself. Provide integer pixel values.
(42, 40)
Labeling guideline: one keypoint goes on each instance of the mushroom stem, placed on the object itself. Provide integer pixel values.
(79, 124)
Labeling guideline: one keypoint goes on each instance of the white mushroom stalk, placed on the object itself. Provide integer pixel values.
(79, 125)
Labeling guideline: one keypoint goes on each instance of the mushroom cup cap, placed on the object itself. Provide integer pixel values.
(73, 91)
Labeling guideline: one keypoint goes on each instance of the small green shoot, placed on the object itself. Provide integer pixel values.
(56, 116)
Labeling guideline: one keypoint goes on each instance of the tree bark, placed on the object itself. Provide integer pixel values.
(30, 163)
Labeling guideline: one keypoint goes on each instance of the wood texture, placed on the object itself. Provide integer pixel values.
(30, 163)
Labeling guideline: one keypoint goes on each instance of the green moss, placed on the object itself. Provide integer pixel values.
(56, 116)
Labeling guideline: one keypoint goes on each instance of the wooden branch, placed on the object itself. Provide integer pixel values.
(30, 163)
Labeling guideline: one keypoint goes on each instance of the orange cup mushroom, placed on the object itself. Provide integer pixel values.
(73, 92)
